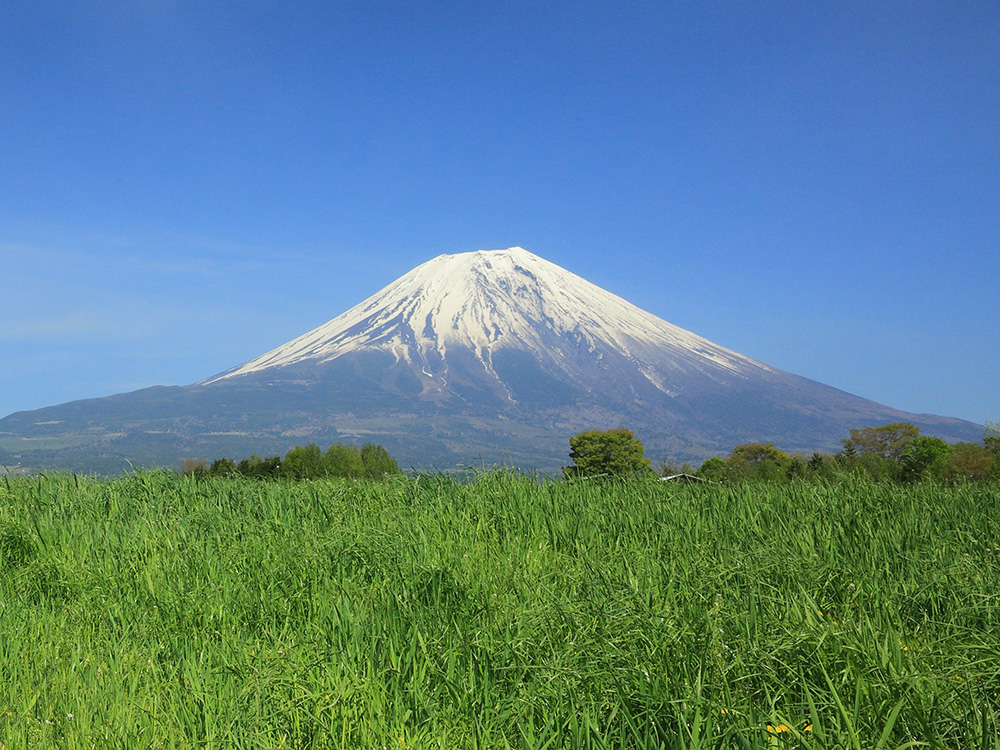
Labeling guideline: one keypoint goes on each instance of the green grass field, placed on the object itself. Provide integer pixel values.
(159, 611)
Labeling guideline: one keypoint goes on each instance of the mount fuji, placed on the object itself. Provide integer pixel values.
(474, 358)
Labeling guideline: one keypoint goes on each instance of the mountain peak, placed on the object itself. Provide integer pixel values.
(488, 300)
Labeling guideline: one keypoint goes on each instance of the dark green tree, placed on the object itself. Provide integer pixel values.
(606, 453)
(991, 436)
(823, 465)
(270, 467)
(848, 454)
(758, 461)
(222, 467)
(304, 462)
(888, 441)
(876, 467)
(795, 468)
(376, 462)
(256, 467)
(343, 461)
(970, 461)
(991, 439)
(714, 469)
(925, 457)
(250, 467)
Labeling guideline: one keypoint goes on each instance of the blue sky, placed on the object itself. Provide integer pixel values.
(185, 185)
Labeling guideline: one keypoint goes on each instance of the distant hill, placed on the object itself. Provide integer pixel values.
(475, 358)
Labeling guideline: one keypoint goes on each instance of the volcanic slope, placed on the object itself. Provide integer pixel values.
(472, 358)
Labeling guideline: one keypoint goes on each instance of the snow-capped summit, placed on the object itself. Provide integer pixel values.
(489, 300)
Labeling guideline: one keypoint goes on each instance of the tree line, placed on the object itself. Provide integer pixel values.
(347, 461)
(892, 452)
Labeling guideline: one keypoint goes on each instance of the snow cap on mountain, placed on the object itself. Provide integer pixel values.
(491, 299)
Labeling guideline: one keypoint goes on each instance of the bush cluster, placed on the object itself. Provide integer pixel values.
(894, 452)
(370, 461)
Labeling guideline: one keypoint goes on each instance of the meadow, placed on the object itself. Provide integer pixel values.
(164, 611)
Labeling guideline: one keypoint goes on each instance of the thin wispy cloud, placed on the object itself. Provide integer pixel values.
(79, 326)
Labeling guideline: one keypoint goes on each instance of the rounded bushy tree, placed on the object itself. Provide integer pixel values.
(925, 457)
(606, 453)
